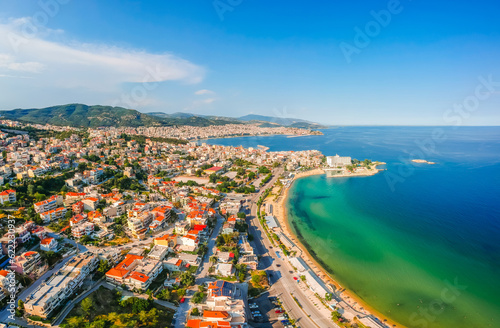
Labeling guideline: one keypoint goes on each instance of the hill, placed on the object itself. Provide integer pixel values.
(79, 115)
(284, 121)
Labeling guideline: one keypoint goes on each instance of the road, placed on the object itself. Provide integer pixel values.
(202, 276)
(67, 309)
(309, 316)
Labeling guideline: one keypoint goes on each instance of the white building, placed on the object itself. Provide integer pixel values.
(336, 161)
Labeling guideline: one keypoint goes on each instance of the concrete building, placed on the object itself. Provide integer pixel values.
(336, 161)
(52, 294)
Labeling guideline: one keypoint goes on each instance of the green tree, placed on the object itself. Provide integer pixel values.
(263, 169)
(198, 297)
(187, 279)
(76, 322)
(20, 305)
(104, 266)
(81, 167)
(336, 315)
(31, 189)
(87, 305)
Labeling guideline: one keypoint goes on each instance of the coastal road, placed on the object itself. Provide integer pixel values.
(307, 314)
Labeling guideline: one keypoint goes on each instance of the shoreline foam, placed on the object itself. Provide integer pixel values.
(350, 298)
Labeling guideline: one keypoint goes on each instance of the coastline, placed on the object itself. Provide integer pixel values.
(258, 135)
(350, 300)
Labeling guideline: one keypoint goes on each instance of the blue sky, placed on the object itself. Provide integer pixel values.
(422, 63)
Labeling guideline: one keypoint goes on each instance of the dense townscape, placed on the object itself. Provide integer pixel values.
(131, 227)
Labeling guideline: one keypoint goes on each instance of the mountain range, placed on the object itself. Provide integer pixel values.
(84, 116)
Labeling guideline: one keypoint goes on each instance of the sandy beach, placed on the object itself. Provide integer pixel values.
(352, 304)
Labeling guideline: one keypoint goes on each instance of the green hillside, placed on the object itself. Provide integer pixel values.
(79, 115)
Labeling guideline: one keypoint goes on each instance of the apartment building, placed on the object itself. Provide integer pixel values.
(167, 240)
(90, 203)
(77, 207)
(27, 263)
(84, 229)
(135, 271)
(138, 222)
(48, 204)
(52, 294)
(53, 215)
(8, 196)
(48, 244)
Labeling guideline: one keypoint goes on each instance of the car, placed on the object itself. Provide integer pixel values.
(253, 306)
(278, 265)
(295, 278)
(279, 311)
(183, 300)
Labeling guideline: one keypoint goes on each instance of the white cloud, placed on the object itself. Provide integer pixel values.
(204, 92)
(102, 69)
(7, 62)
(208, 100)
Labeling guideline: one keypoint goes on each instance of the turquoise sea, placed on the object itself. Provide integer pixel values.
(420, 243)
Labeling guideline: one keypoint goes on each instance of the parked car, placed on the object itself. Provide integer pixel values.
(279, 311)
(183, 300)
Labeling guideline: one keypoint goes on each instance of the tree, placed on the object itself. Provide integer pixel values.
(195, 312)
(149, 318)
(336, 315)
(81, 167)
(263, 169)
(87, 305)
(20, 305)
(31, 189)
(76, 322)
(165, 295)
(104, 266)
(328, 297)
(198, 297)
(241, 215)
(187, 279)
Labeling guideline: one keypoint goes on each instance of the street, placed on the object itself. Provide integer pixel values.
(201, 278)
